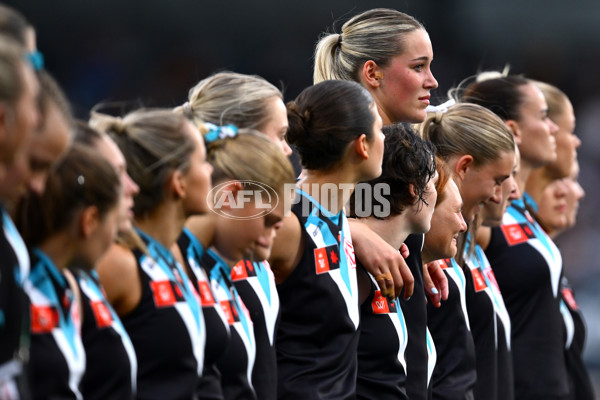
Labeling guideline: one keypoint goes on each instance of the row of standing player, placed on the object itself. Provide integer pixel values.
(287, 257)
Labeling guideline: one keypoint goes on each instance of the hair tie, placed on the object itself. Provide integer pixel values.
(216, 132)
(339, 42)
(489, 75)
(187, 109)
(36, 59)
(441, 109)
(118, 125)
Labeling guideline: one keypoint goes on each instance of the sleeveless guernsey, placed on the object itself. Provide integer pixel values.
(528, 267)
(490, 326)
(236, 364)
(317, 337)
(111, 364)
(454, 374)
(166, 328)
(579, 378)
(381, 346)
(420, 350)
(255, 284)
(14, 311)
(57, 356)
(217, 327)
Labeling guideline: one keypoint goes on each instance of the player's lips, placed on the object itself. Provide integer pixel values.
(425, 99)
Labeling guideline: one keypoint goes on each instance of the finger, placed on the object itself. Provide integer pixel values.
(441, 281)
(383, 277)
(398, 282)
(430, 288)
(404, 251)
(386, 286)
(443, 286)
(435, 297)
(409, 280)
(385, 282)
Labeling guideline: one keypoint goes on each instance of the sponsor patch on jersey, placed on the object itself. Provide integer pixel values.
(517, 233)
(206, 296)
(478, 280)
(445, 263)
(381, 304)
(230, 311)
(239, 272)
(567, 294)
(163, 293)
(102, 314)
(243, 270)
(327, 258)
(43, 319)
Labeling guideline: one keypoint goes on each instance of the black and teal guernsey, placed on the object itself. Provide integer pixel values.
(218, 334)
(580, 384)
(490, 327)
(166, 327)
(255, 284)
(317, 337)
(381, 346)
(57, 357)
(111, 363)
(528, 267)
(14, 311)
(236, 365)
(420, 350)
(454, 374)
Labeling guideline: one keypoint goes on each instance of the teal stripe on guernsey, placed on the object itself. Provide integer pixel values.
(99, 295)
(263, 278)
(195, 248)
(46, 268)
(530, 202)
(221, 273)
(459, 272)
(478, 260)
(534, 226)
(479, 254)
(159, 252)
(328, 236)
(335, 218)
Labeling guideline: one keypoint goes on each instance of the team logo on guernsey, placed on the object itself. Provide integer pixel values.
(381, 305)
(242, 270)
(102, 314)
(517, 233)
(43, 319)
(327, 258)
(569, 298)
(206, 296)
(445, 263)
(230, 311)
(478, 280)
(166, 293)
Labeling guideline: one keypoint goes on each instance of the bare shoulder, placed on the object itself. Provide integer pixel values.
(120, 277)
(286, 251)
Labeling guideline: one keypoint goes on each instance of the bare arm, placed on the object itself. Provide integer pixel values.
(286, 251)
(379, 257)
(120, 277)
